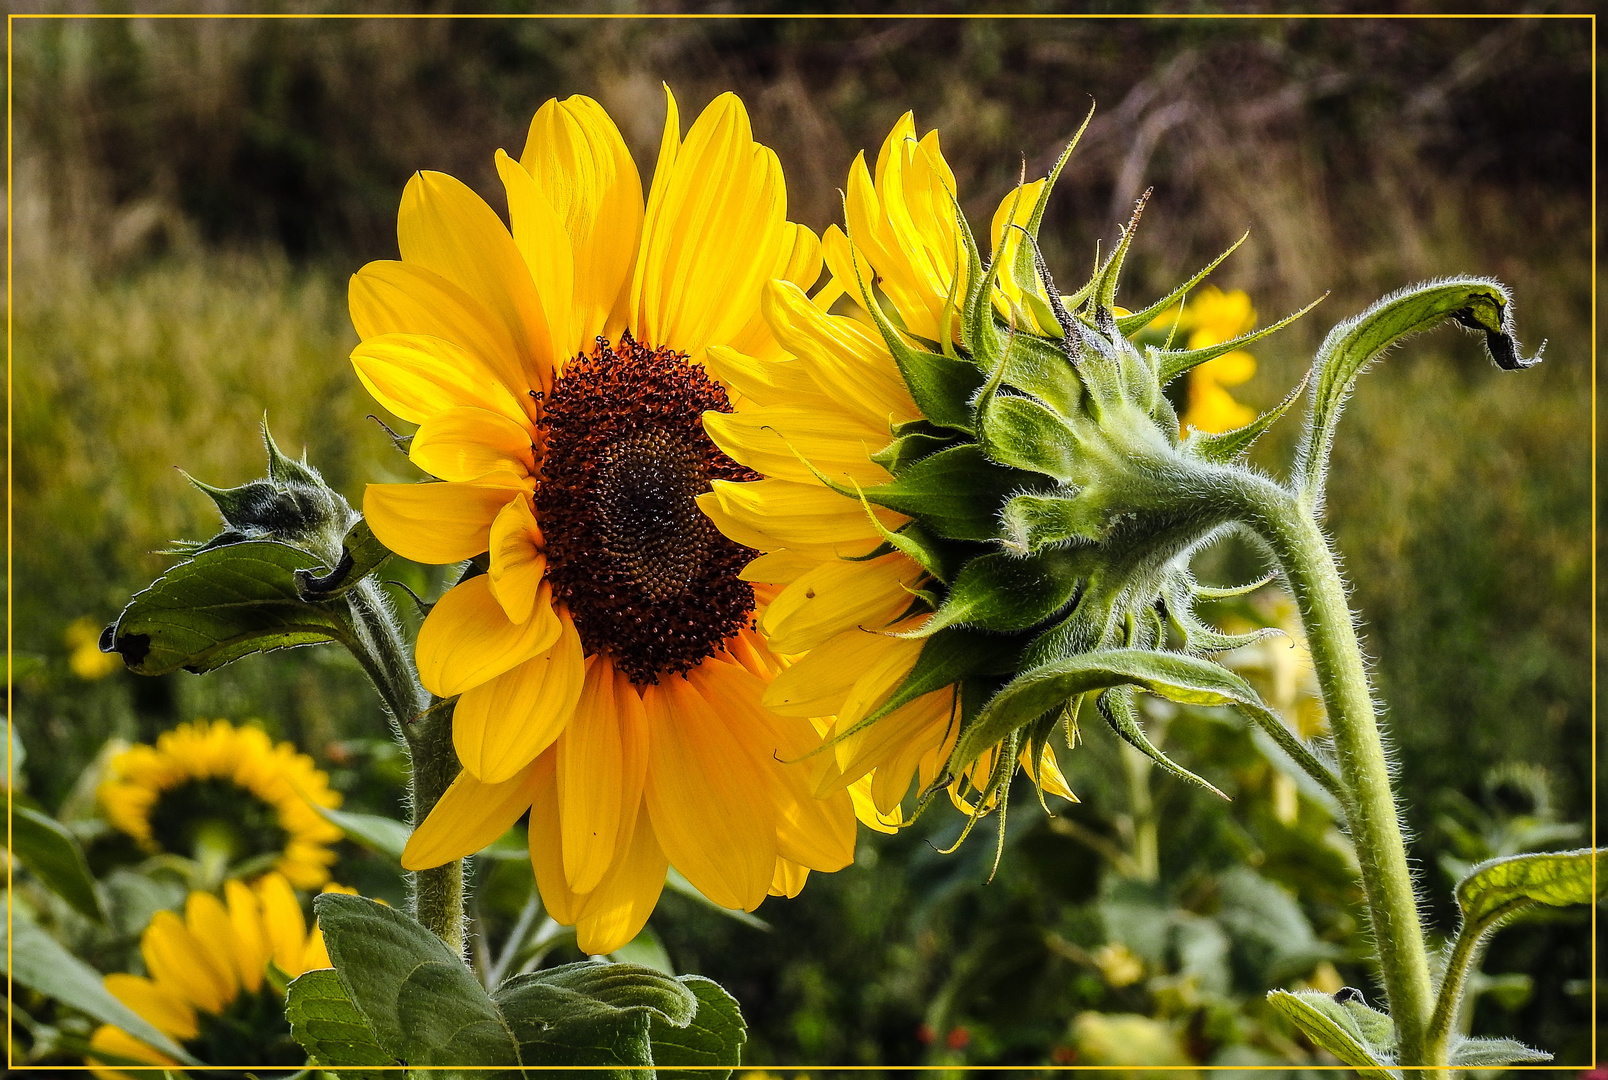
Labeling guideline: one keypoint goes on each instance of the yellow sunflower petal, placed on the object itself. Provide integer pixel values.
(517, 560)
(770, 514)
(847, 673)
(446, 228)
(617, 909)
(468, 816)
(436, 523)
(766, 382)
(416, 376)
(711, 811)
(581, 165)
(547, 843)
(406, 298)
(208, 920)
(789, 879)
(169, 1012)
(283, 921)
(117, 1043)
(839, 596)
(789, 442)
(251, 944)
(798, 261)
(466, 443)
(182, 964)
(467, 639)
(602, 762)
(545, 247)
(500, 725)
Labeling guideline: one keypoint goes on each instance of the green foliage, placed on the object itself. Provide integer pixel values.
(225, 603)
(1361, 1037)
(329, 1027)
(1503, 887)
(957, 491)
(382, 834)
(419, 1004)
(52, 854)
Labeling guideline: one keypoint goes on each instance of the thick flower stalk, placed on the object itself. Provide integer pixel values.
(599, 647)
(997, 527)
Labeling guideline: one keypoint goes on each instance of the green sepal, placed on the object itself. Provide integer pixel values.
(1171, 363)
(1024, 433)
(1025, 267)
(942, 387)
(225, 603)
(1128, 325)
(1494, 1053)
(1361, 1037)
(1032, 523)
(1105, 294)
(1116, 706)
(1479, 304)
(1006, 593)
(52, 854)
(361, 555)
(910, 447)
(1500, 888)
(329, 1027)
(1230, 592)
(957, 492)
(1224, 447)
(914, 541)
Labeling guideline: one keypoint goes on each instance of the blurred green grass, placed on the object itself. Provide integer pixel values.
(190, 197)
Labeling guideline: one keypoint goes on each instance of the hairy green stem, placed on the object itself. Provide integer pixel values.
(1460, 964)
(425, 726)
(1303, 553)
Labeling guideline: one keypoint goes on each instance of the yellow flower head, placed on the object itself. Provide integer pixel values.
(606, 676)
(205, 983)
(228, 788)
(815, 426)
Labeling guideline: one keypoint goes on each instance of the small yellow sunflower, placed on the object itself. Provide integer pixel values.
(600, 648)
(813, 424)
(1211, 318)
(205, 981)
(213, 789)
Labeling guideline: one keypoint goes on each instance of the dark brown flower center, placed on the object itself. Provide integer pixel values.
(647, 577)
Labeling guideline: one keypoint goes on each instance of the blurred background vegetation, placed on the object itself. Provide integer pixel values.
(190, 196)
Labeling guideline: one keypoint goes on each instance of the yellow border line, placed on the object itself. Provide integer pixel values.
(579, 16)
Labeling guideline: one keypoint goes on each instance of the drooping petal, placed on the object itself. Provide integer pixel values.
(617, 909)
(517, 560)
(468, 816)
(710, 810)
(789, 879)
(467, 639)
(602, 762)
(438, 523)
(500, 725)
(581, 165)
(446, 228)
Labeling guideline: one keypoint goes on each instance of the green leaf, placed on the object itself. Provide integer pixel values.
(711, 1043)
(225, 603)
(329, 1027)
(1024, 433)
(385, 835)
(1479, 304)
(1116, 706)
(52, 854)
(421, 1002)
(361, 555)
(591, 1013)
(1491, 1053)
(1351, 1032)
(957, 492)
(950, 656)
(37, 961)
(1171, 363)
(1007, 592)
(645, 950)
(1501, 887)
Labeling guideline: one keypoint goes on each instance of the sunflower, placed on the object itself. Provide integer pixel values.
(219, 792)
(207, 982)
(821, 422)
(600, 646)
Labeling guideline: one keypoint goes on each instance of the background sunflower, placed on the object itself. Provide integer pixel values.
(189, 199)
